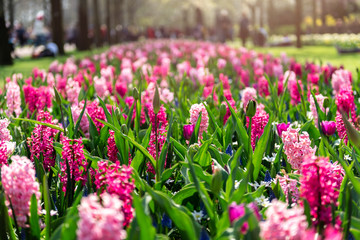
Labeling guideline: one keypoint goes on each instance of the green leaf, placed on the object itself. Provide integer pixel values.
(185, 192)
(40, 123)
(260, 149)
(180, 216)
(46, 196)
(6, 228)
(34, 218)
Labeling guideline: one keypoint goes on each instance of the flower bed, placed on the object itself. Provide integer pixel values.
(180, 140)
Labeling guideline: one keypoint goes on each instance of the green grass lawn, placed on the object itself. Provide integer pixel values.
(25, 65)
(317, 54)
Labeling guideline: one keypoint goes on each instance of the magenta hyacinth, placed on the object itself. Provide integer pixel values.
(319, 185)
(3, 153)
(116, 179)
(41, 141)
(238, 211)
(112, 149)
(73, 155)
(345, 101)
(281, 127)
(296, 146)
(19, 183)
(328, 127)
(96, 112)
(283, 223)
(101, 219)
(188, 131)
(258, 124)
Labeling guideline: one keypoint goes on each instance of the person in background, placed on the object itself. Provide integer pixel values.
(21, 34)
(39, 30)
(244, 29)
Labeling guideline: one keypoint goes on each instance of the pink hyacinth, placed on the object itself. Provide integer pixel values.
(72, 90)
(289, 187)
(4, 131)
(96, 112)
(73, 155)
(258, 123)
(295, 91)
(160, 134)
(340, 79)
(116, 179)
(84, 122)
(345, 101)
(283, 223)
(37, 98)
(13, 99)
(19, 183)
(296, 146)
(194, 115)
(101, 218)
(101, 87)
(320, 100)
(112, 148)
(221, 63)
(263, 87)
(3, 153)
(41, 141)
(320, 183)
(340, 127)
(248, 94)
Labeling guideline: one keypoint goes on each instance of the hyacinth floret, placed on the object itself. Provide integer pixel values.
(41, 141)
(296, 146)
(116, 179)
(72, 154)
(19, 183)
(319, 185)
(101, 219)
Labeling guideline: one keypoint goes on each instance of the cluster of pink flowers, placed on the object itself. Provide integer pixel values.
(37, 98)
(258, 123)
(340, 79)
(194, 115)
(6, 147)
(4, 131)
(283, 223)
(116, 180)
(41, 141)
(340, 127)
(19, 183)
(73, 155)
(320, 185)
(84, 122)
(238, 211)
(345, 101)
(112, 148)
(13, 99)
(158, 132)
(248, 94)
(296, 146)
(96, 112)
(101, 218)
(289, 187)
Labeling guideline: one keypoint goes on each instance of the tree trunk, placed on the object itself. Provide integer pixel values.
(97, 32)
(57, 25)
(323, 12)
(5, 54)
(11, 13)
(314, 15)
(261, 9)
(120, 19)
(108, 22)
(270, 16)
(82, 39)
(298, 23)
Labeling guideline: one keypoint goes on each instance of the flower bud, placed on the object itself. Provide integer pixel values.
(156, 101)
(328, 127)
(135, 94)
(124, 129)
(223, 110)
(251, 108)
(188, 131)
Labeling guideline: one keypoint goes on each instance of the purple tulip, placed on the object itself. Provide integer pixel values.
(281, 127)
(188, 131)
(236, 212)
(328, 127)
